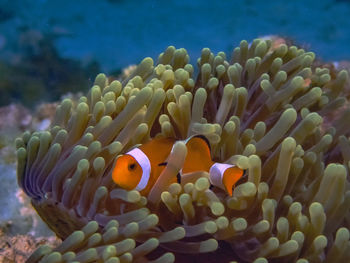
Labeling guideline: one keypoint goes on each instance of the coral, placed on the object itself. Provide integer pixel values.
(271, 110)
(16, 249)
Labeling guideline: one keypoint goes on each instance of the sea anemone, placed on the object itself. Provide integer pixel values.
(272, 110)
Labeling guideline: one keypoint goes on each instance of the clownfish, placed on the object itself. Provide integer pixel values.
(140, 168)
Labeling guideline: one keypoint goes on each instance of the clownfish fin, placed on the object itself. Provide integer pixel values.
(231, 177)
(198, 154)
(225, 176)
(205, 139)
(162, 164)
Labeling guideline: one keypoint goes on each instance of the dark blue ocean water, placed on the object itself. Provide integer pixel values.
(119, 32)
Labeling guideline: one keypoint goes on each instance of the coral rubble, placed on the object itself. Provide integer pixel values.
(271, 110)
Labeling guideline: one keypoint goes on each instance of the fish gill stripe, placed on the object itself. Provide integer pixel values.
(145, 164)
(216, 173)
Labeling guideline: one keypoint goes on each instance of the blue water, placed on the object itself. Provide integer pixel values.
(119, 33)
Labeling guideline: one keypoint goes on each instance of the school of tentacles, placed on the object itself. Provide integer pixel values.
(270, 109)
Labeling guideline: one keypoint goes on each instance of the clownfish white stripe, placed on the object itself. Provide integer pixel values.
(145, 164)
(216, 173)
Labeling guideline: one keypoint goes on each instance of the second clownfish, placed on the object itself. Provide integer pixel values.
(140, 168)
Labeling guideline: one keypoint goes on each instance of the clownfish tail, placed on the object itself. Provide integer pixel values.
(225, 176)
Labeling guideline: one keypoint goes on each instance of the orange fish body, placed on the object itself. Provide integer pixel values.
(140, 167)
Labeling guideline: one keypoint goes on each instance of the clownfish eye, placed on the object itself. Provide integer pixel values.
(132, 166)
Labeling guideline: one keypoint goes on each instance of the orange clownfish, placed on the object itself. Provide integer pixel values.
(140, 168)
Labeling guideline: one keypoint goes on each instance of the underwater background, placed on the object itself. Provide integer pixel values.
(43, 42)
(51, 50)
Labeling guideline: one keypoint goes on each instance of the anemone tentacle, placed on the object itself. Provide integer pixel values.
(271, 110)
